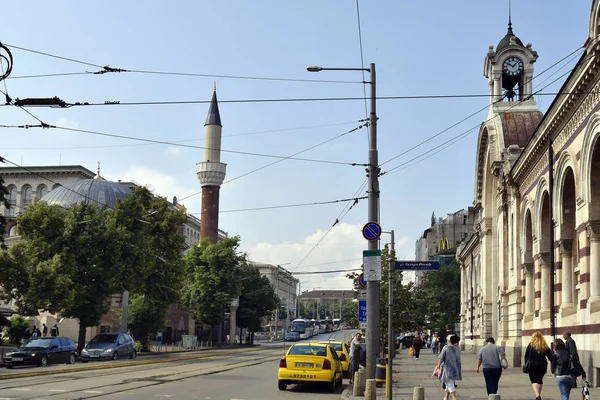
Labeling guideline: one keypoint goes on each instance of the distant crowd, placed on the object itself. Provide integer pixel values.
(35, 332)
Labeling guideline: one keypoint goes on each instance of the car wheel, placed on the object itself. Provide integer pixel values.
(115, 356)
(341, 380)
(281, 385)
(44, 361)
(10, 366)
(333, 384)
(71, 359)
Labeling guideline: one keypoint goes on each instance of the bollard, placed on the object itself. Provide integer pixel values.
(494, 397)
(356, 383)
(419, 393)
(371, 390)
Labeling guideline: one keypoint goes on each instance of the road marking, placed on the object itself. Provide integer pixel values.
(21, 389)
(92, 391)
(6, 398)
(57, 390)
(163, 395)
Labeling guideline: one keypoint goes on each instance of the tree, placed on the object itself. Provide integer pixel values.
(152, 265)
(6, 204)
(257, 298)
(439, 296)
(212, 283)
(16, 329)
(67, 263)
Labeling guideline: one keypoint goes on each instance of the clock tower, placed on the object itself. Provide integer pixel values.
(509, 70)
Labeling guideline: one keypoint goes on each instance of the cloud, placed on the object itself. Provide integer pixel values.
(174, 150)
(341, 249)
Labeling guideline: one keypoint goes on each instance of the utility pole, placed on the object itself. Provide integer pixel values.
(373, 287)
(391, 344)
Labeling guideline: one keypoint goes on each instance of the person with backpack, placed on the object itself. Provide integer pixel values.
(566, 368)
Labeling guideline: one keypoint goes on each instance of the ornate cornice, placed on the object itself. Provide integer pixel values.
(485, 225)
(565, 246)
(543, 258)
(593, 230)
(528, 267)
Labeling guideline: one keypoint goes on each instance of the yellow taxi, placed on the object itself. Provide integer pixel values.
(343, 352)
(310, 362)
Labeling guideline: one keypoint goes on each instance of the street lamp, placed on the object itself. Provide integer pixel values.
(373, 288)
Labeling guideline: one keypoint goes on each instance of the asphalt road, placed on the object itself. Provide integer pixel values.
(242, 376)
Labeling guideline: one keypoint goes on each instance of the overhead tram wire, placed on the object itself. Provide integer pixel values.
(340, 216)
(462, 135)
(175, 141)
(478, 111)
(318, 203)
(326, 272)
(362, 60)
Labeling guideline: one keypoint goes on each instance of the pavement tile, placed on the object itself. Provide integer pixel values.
(409, 372)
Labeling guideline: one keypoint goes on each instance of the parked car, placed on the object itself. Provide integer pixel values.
(343, 352)
(292, 336)
(109, 346)
(310, 362)
(42, 351)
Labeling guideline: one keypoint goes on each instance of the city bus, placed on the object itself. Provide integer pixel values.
(304, 327)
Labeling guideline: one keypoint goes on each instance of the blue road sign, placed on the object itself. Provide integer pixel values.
(362, 311)
(361, 281)
(371, 231)
(417, 265)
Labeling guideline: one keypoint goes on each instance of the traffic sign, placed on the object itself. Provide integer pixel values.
(361, 281)
(372, 265)
(362, 311)
(417, 265)
(371, 231)
(362, 326)
(362, 294)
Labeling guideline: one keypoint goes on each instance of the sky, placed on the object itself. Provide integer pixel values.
(259, 50)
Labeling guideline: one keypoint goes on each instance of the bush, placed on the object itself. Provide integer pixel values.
(142, 347)
(16, 329)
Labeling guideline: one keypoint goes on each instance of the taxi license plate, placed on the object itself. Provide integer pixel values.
(305, 376)
(310, 365)
(17, 358)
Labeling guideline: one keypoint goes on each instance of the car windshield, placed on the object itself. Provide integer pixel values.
(336, 346)
(308, 351)
(42, 342)
(104, 339)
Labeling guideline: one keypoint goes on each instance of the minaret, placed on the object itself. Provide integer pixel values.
(211, 172)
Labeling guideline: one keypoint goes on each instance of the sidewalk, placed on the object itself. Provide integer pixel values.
(514, 384)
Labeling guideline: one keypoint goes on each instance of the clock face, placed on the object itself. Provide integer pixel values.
(512, 66)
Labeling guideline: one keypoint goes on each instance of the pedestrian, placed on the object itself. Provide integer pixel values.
(26, 335)
(54, 330)
(537, 356)
(418, 343)
(561, 367)
(44, 330)
(443, 336)
(434, 343)
(572, 348)
(354, 346)
(451, 367)
(34, 331)
(489, 356)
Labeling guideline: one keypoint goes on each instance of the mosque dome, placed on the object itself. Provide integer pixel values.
(92, 191)
(506, 40)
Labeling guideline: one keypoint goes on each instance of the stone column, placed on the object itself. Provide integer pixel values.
(593, 231)
(529, 290)
(232, 319)
(566, 254)
(544, 260)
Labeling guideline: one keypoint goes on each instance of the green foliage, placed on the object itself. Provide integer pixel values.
(212, 278)
(154, 269)
(16, 329)
(350, 313)
(257, 298)
(438, 298)
(141, 347)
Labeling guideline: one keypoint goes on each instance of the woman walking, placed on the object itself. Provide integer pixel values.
(489, 356)
(450, 364)
(418, 343)
(537, 356)
(561, 363)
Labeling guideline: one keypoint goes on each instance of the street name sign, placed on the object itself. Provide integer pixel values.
(362, 294)
(371, 231)
(417, 265)
(362, 311)
(372, 265)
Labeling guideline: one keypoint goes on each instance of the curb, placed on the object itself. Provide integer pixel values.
(347, 394)
(119, 365)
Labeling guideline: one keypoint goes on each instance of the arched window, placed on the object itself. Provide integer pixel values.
(12, 231)
(26, 191)
(41, 191)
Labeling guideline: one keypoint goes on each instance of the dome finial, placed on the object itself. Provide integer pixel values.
(98, 174)
(510, 31)
(215, 86)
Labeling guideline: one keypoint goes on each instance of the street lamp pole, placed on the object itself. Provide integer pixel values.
(373, 287)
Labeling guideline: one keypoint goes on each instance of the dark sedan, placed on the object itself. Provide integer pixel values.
(109, 346)
(42, 351)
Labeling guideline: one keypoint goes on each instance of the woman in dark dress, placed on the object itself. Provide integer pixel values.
(537, 354)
